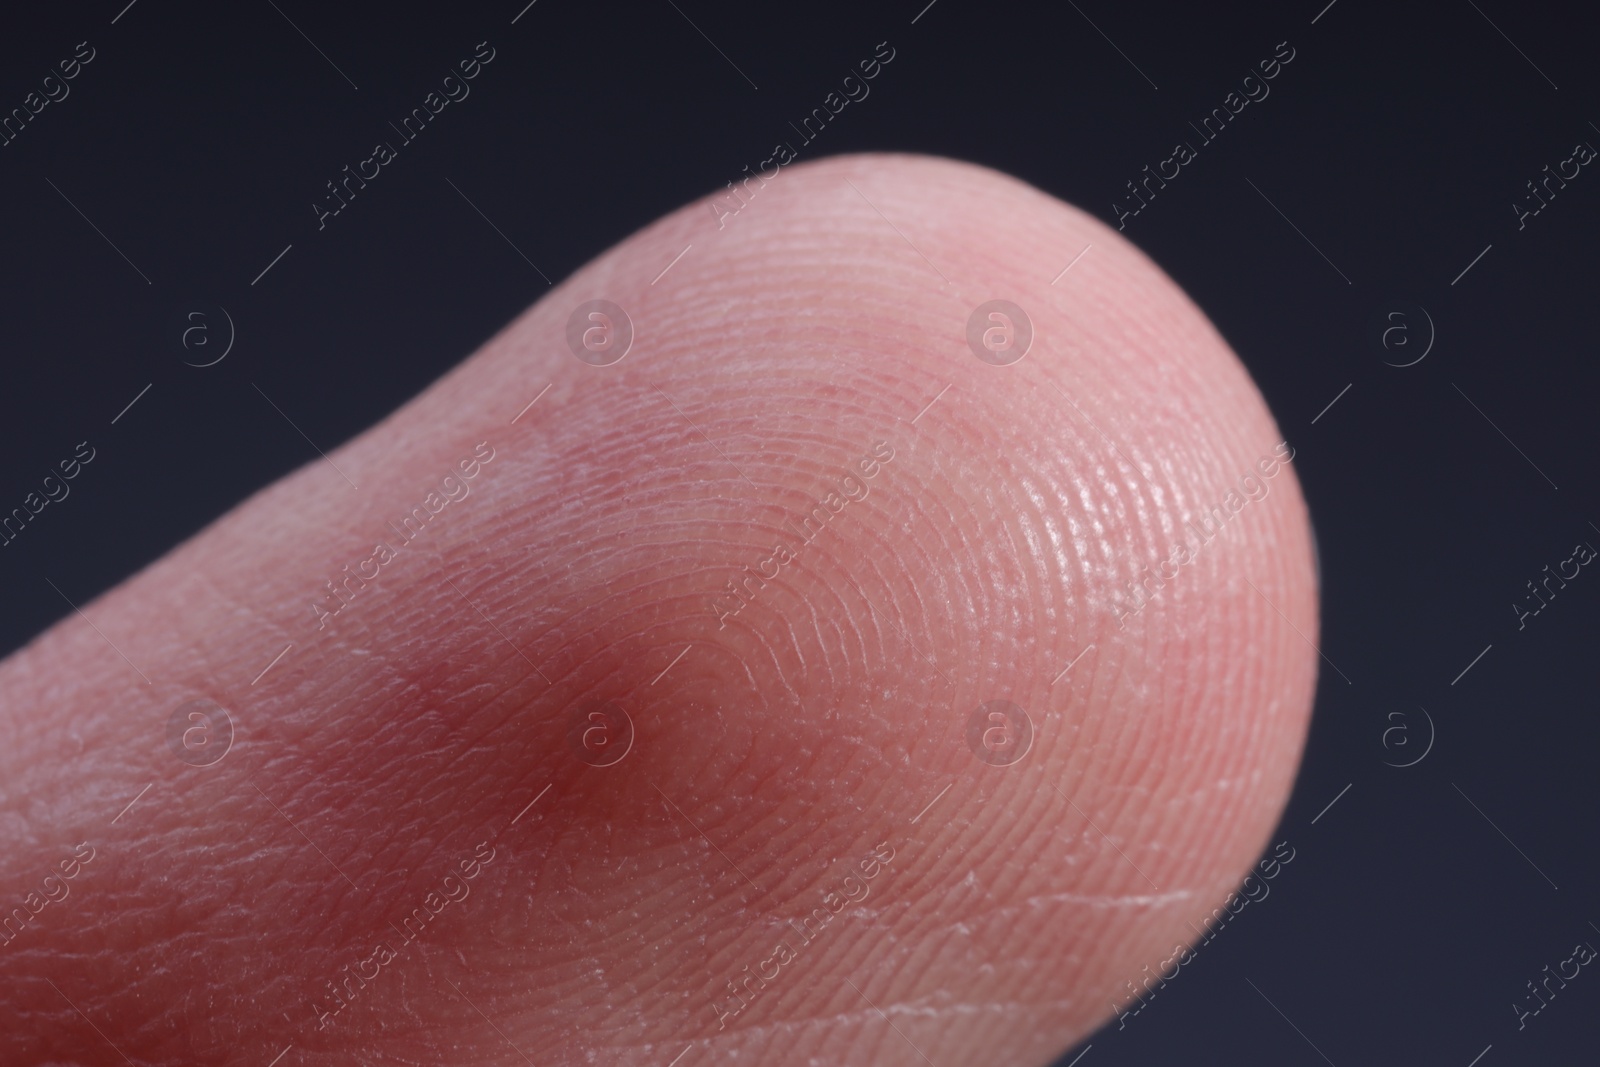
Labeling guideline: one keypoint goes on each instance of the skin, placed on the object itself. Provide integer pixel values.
(790, 742)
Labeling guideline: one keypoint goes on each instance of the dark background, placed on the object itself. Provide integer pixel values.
(1397, 140)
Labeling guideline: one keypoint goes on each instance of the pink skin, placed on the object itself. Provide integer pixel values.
(790, 748)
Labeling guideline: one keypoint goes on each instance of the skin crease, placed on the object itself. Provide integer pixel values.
(771, 760)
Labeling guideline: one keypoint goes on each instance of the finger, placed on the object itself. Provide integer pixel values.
(594, 711)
